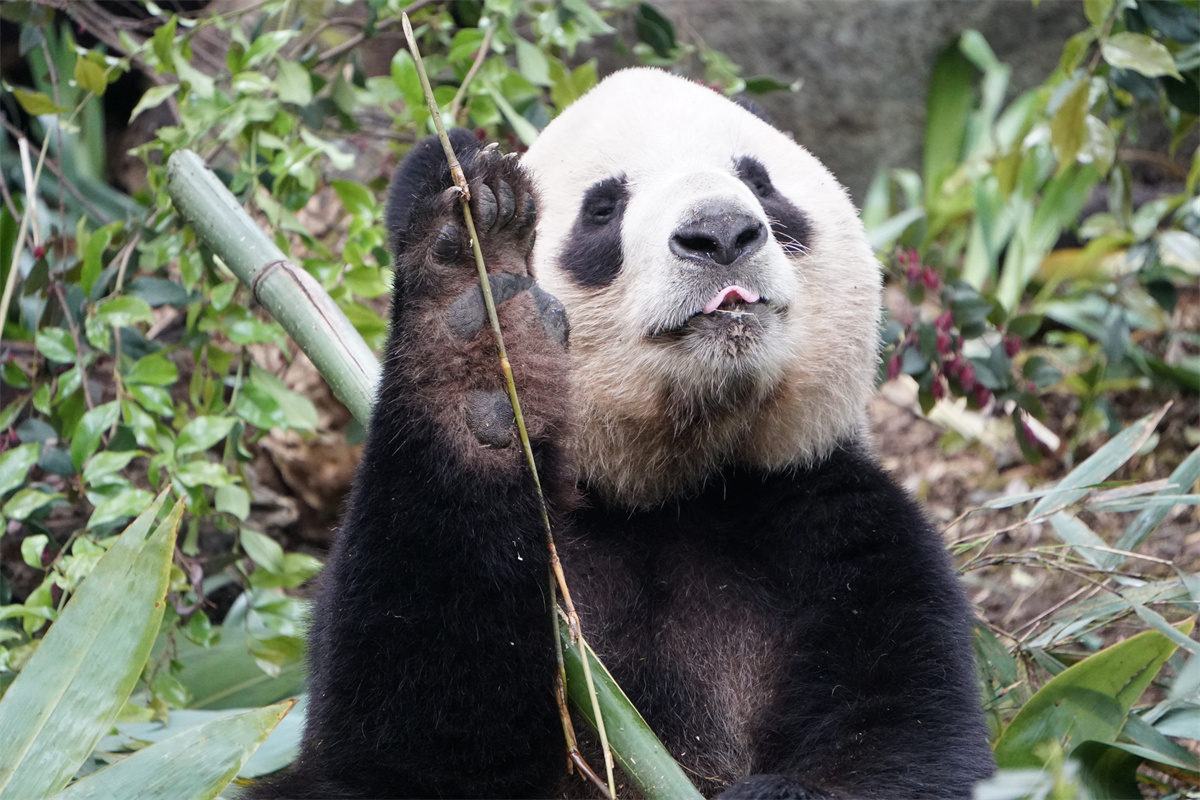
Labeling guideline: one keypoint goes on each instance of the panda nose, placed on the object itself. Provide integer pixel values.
(719, 238)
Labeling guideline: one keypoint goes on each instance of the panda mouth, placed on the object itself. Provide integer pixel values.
(733, 312)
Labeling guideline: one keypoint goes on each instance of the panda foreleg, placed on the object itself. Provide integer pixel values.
(431, 648)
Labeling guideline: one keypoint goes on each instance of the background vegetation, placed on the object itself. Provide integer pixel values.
(1038, 278)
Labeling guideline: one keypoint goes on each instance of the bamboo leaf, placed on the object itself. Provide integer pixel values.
(1098, 466)
(1088, 701)
(67, 696)
(1181, 480)
(193, 765)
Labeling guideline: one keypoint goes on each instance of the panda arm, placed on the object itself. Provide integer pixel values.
(431, 652)
(878, 697)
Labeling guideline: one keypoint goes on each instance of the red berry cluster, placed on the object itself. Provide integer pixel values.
(953, 364)
(917, 274)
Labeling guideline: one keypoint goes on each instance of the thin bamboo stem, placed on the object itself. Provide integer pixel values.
(460, 181)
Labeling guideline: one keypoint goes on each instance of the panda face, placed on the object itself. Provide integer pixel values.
(721, 293)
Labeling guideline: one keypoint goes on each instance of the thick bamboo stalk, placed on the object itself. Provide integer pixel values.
(641, 756)
(339, 353)
(291, 295)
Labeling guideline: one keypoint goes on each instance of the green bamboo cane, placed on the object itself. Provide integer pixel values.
(339, 353)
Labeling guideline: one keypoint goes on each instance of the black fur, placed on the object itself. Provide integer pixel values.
(431, 651)
(875, 696)
(789, 224)
(593, 257)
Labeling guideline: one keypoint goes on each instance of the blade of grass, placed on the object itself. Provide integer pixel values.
(67, 696)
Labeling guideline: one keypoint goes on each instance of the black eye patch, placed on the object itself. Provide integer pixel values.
(790, 225)
(592, 254)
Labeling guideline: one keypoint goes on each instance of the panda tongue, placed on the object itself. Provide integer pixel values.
(747, 295)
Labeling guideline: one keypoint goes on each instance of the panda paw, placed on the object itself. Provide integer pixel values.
(447, 307)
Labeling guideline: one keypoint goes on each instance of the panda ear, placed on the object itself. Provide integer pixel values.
(754, 108)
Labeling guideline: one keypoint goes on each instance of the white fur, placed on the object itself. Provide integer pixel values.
(654, 421)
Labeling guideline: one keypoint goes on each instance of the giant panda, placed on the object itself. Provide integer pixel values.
(693, 361)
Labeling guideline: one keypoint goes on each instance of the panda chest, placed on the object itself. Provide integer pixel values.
(690, 638)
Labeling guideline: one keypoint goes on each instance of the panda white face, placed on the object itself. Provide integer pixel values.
(722, 297)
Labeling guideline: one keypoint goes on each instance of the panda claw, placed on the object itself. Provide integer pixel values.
(528, 218)
(489, 417)
(508, 203)
(448, 244)
(485, 207)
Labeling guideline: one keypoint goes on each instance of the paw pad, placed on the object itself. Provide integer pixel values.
(490, 418)
(467, 313)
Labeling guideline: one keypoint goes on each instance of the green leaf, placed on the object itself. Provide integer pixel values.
(654, 29)
(106, 463)
(1068, 129)
(1088, 701)
(153, 98)
(126, 502)
(32, 548)
(36, 103)
(15, 465)
(1140, 53)
(155, 370)
(357, 199)
(532, 63)
(93, 254)
(22, 504)
(195, 764)
(1181, 480)
(1082, 539)
(225, 675)
(123, 311)
(297, 411)
(68, 695)
(262, 549)
(90, 76)
(522, 127)
(202, 433)
(950, 99)
(233, 500)
(56, 344)
(1097, 11)
(94, 424)
(1098, 466)
(293, 83)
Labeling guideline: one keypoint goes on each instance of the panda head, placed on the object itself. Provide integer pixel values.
(723, 299)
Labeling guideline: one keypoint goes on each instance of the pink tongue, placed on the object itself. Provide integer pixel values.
(745, 294)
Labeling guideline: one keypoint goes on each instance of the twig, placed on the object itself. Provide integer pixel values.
(56, 289)
(14, 271)
(460, 182)
(485, 47)
(358, 38)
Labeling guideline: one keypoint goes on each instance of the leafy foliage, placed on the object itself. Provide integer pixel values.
(1004, 313)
